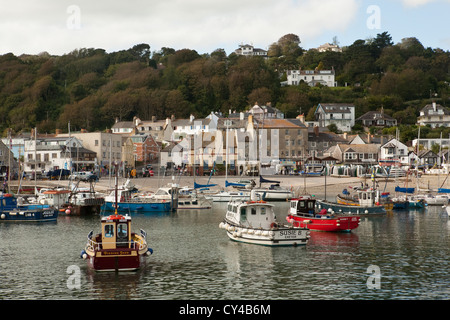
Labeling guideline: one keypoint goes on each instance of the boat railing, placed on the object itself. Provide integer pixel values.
(135, 243)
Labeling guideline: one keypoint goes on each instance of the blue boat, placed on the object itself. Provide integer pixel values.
(367, 204)
(12, 210)
(126, 203)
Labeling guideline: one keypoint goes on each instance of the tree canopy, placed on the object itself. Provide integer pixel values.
(92, 88)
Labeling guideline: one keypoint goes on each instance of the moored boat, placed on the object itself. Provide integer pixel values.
(303, 213)
(368, 204)
(116, 248)
(126, 203)
(14, 209)
(255, 222)
(274, 192)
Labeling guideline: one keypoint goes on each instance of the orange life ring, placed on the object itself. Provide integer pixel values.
(273, 225)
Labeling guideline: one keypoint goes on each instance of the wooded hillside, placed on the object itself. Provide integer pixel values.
(91, 88)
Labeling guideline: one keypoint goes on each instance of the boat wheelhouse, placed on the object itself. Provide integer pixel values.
(303, 213)
(116, 248)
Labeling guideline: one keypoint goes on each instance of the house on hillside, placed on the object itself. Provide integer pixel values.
(250, 50)
(434, 115)
(311, 77)
(377, 119)
(340, 114)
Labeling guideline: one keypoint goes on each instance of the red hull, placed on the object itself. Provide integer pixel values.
(123, 262)
(335, 224)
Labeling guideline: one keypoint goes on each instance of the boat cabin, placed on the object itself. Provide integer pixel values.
(55, 198)
(303, 206)
(367, 197)
(254, 214)
(116, 232)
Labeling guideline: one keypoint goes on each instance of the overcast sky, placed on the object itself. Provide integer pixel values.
(60, 26)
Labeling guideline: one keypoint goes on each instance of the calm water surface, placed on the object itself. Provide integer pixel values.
(194, 259)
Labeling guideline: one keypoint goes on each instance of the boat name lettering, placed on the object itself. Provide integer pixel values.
(116, 253)
(47, 213)
(288, 233)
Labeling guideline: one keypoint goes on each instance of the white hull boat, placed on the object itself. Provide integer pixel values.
(226, 196)
(254, 222)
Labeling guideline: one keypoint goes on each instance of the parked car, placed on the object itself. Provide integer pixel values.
(83, 176)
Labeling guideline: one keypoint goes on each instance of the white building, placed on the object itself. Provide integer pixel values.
(340, 114)
(311, 77)
(434, 115)
(394, 150)
(249, 50)
(46, 154)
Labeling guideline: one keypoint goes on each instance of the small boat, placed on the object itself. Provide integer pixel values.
(303, 213)
(255, 222)
(274, 192)
(116, 248)
(127, 203)
(368, 204)
(383, 199)
(14, 209)
(226, 196)
(188, 198)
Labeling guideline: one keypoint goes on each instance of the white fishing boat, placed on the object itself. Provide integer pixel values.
(255, 222)
(187, 198)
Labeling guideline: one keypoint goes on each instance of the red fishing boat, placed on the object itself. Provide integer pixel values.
(116, 248)
(303, 213)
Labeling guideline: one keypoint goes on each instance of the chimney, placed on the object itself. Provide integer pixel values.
(83, 131)
(250, 119)
(153, 118)
(316, 131)
(172, 117)
(241, 115)
(368, 137)
(191, 118)
(58, 131)
(301, 117)
(117, 119)
(434, 106)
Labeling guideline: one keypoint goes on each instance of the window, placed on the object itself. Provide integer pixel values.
(109, 231)
(253, 211)
(96, 143)
(243, 214)
(122, 230)
(263, 211)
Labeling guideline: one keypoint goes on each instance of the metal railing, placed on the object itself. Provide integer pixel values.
(135, 243)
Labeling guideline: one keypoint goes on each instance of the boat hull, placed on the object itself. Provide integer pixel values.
(125, 207)
(40, 215)
(116, 260)
(285, 236)
(326, 223)
(269, 195)
(350, 209)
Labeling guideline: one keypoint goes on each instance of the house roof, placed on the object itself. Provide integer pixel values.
(375, 115)
(429, 107)
(273, 123)
(359, 148)
(336, 107)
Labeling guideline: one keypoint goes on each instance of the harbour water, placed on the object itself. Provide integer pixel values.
(400, 255)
